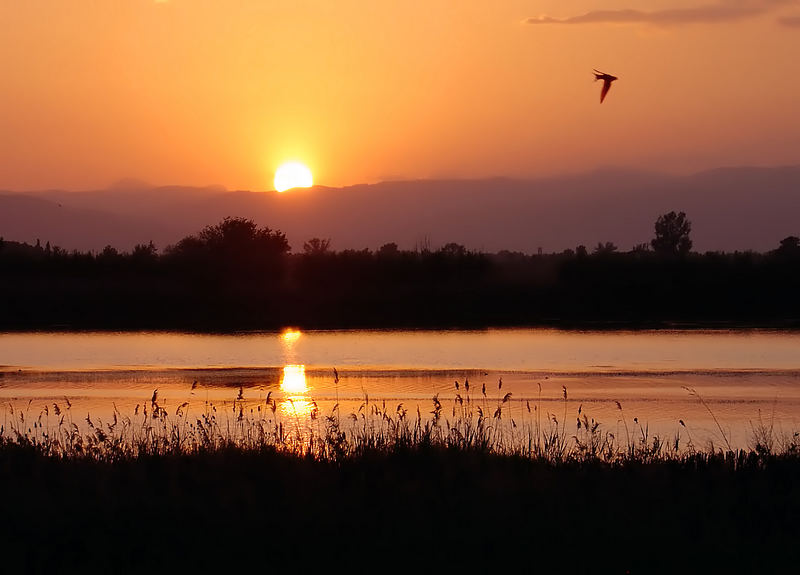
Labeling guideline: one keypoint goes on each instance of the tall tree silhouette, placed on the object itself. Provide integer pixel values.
(672, 234)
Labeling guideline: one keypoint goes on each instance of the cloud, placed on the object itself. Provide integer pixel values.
(791, 21)
(720, 12)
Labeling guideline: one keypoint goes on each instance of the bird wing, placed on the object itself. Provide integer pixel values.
(606, 88)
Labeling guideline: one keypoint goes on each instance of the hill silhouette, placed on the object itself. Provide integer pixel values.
(731, 208)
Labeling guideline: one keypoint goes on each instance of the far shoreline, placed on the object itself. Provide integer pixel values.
(600, 326)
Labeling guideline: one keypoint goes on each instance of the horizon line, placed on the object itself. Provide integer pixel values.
(136, 184)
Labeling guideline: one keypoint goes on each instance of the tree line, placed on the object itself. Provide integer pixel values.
(237, 275)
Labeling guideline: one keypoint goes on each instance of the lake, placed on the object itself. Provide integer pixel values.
(740, 378)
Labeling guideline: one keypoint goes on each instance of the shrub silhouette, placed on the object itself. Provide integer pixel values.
(234, 250)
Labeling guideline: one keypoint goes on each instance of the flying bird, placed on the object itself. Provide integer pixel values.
(607, 79)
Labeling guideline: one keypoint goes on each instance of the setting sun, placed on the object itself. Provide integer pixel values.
(293, 175)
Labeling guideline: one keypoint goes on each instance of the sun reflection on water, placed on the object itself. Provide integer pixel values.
(294, 385)
(290, 336)
(295, 407)
(294, 380)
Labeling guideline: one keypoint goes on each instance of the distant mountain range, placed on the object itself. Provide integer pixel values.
(730, 209)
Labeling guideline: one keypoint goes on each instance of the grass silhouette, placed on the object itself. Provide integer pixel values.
(482, 481)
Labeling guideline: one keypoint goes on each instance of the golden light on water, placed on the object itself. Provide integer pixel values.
(294, 379)
(295, 387)
(291, 335)
(296, 407)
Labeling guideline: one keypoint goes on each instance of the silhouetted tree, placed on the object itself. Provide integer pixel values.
(237, 234)
(581, 251)
(672, 234)
(144, 251)
(233, 250)
(789, 245)
(108, 253)
(387, 250)
(316, 247)
(234, 237)
(423, 246)
(604, 248)
(453, 250)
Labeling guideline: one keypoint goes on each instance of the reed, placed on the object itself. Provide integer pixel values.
(464, 424)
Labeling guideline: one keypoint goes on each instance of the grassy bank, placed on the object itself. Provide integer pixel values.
(460, 487)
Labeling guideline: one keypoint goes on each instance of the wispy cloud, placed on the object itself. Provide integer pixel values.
(717, 13)
(791, 21)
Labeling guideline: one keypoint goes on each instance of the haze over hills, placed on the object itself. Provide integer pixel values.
(730, 208)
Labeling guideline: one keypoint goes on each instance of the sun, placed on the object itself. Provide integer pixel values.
(293, 175)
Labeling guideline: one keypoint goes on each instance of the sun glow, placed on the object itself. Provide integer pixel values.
(293, 175)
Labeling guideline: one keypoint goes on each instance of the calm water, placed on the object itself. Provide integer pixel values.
(742, 375)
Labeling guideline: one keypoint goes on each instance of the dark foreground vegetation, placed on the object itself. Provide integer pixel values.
(386, 490)
(417, 509)
(235, 275)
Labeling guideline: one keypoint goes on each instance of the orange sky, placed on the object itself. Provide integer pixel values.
(221, 92)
